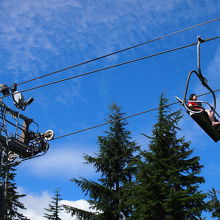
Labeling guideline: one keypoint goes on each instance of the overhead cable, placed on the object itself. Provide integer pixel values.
(124, 118)
(122, 50)
(117, 65)
(108, 122)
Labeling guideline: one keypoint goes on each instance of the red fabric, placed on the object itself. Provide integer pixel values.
(195, 106)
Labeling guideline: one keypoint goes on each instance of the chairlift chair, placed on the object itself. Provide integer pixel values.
(200, 116)
(202, 119)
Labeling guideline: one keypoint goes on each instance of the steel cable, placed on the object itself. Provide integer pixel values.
(130, 116)
(122, 50)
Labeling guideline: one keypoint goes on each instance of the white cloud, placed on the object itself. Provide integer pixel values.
(63, 160)
(37, 202)
(29, 27)
(69, 93)
(38, 37)
(32, 32)
(80, 204)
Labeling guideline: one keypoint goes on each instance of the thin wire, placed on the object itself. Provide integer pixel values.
(130, 116)
(119, 51)
(217, 90)
(116, 65)
(99, 125)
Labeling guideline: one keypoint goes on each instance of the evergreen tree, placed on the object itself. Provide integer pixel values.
(54, 207)
(12, 205)
(115, 164)
(214, 204)
(81, 214)
(168, 179)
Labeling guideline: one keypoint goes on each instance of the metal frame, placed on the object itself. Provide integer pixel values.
(201, 116)
(30, 140)
(35, 143)
(203, 81)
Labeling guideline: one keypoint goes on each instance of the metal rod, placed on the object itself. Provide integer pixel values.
(20, 126)
(2, 188)
(198, 54)
(199, 73)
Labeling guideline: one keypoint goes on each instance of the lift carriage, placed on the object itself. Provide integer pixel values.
(19, 135)
(200, 116)
(203, 120)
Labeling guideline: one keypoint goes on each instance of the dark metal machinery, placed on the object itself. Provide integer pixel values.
(17, 141)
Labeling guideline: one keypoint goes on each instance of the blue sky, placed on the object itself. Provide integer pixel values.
(39, 37)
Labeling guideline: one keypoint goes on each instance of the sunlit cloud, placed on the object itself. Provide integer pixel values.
(47, 33)
(36, 203)
(63, 161)
(69, 93)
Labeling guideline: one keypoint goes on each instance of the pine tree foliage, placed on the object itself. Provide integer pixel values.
(168, 179)
(115, 163)
(81, 214)
(12, 205)
(54, 207)
(214, 204)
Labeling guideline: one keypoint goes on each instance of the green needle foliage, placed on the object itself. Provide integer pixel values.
(81, 214)
(214, 204)
(54, 207)
(168, 179)
(115, 163)
(12, 205)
